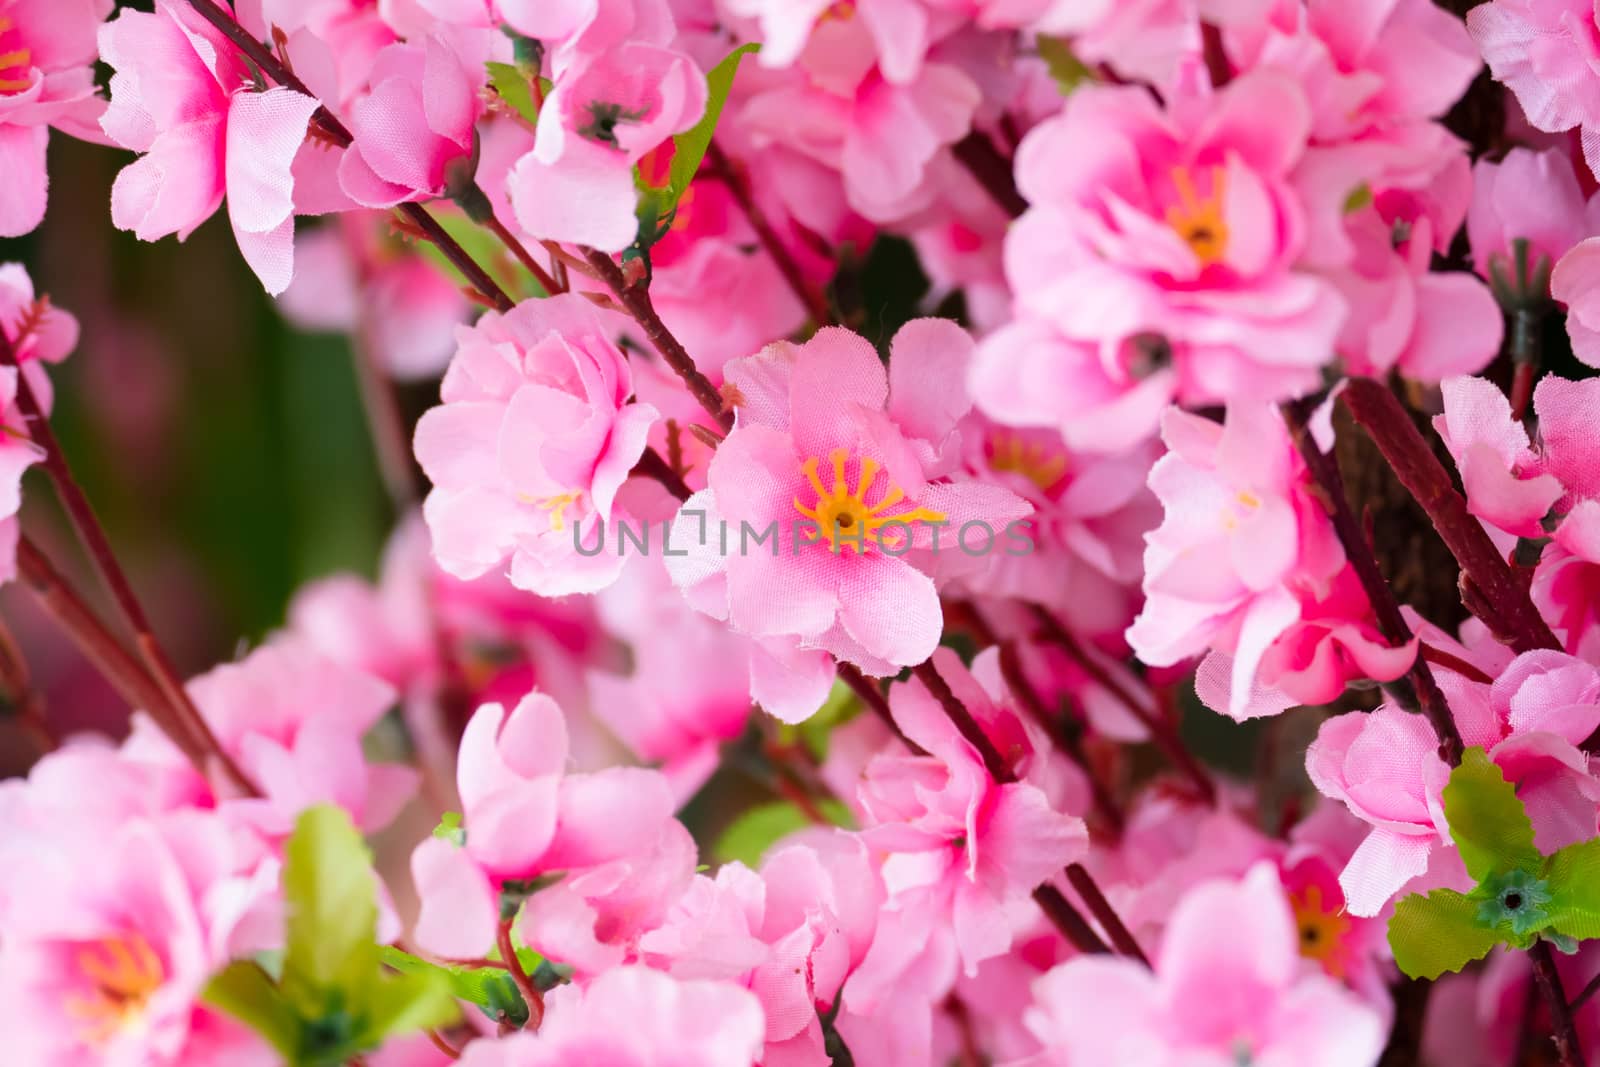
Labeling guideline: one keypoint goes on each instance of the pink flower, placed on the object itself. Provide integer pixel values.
(351, 278)
(1242, 537)
(112, 938)
(184, 96)
(1527, 196)
(635, 1017)
(534, 439)
(1157, 258)
(966, 852)
(414, 128)
(842, 464)
(1385, 767)
(1545, 52)
(17, 454)
(1576, 283)
(601, 119)
(524, 816)
(1499, 469)
(1228, 986)
(572, 30)
(47, 56)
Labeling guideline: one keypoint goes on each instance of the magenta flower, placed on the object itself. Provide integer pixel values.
(1229, 986)
(844, 464)
(535, 436)
(47, 55)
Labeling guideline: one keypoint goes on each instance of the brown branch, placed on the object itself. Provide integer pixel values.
(1088, 891)
(523, 256)
(992, 170)
(519, 976)
(386, 425)
(1325, 474)
(634, 296)
(738, 183)
(1161, 731)
(1565, 1030)
(1491, 587)
(16, 686)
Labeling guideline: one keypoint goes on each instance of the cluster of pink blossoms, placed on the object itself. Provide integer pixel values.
(794, 684)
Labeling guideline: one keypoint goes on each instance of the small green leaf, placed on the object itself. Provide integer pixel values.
(489, 988)
(513, 86)
(842, 705)
(1437, 933)
(331, 896)
(245, 991)
(450, 829)
(753, 833)
(1573, 875)
(1487, 820)
(1066, 68)
(693, 144)
(404, 1003)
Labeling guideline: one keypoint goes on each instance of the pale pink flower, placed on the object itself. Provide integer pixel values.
(839, 467)
(1499, 468)
(184, 97)
(112, 937)
(573, 30)
(332, 42)
(965, 851)
(413, 129)
(1157, 260)
(1243, 538)
(531, 445)
(524, 816)
(1228, 986)
(351, 278)
(47, 56)
(601, 118)
(17, 454)
(1527, 196)
(1576, 283)
(1545, 51)
(635, 1017)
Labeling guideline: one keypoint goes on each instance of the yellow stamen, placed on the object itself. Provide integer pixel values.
(125, 972)
(1198, 221)
(1041, 465)
(842, 514)
(557, 507)
(1322, 929)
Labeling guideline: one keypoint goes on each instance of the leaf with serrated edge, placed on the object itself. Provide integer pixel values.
(1487, 820)
(1573, 877)
(1437, 933)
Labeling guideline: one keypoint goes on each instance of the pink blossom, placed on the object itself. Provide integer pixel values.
(414, 128)
(121, 933)
(535, 437)
(1228, 984)
(574, 30)
(1576, 283)
(1545, 53)
(1242, 539)
(184, 97)
(966, 851)
(47, 55)
(17, 454)
(524, 816)
(844, 464)
(1499, 469)
(636, 1017)
(600, 120)
(352, 278)
(1157, 259)
(1527, 196)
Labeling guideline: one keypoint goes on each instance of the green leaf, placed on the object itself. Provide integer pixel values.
(842, 706)
(1573, 876)
(513, 86)
(247, 992)
(489, 988)
(450, 829)
(754, 832)
(1066, 68)
(1437, 933)
(404, 1003)
(332, 901)
(1487, 820)
(693, 144)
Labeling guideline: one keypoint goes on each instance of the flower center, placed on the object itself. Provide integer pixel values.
(16, 59)
(842, 515)
(1198, 220)
(557, 507)
(1322, 929)
(1034, 460)
(841, 10)
(123, 973)
(604, 118)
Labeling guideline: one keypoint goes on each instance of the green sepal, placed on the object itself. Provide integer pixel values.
(1487, 820)
(1437, 933)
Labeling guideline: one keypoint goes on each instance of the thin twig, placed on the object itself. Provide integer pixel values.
(738, 183)
(635, 300)
(1088, 891)
(1565, 1031)
(519, 976)
(27, 702)
(1385, 607)
(992, 171)
(523, 256)
(386, 424)
(1588, 991)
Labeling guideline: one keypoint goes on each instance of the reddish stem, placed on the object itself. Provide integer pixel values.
(1565, 1030)
(1088, 891)
(523, 256)
(1493, 590)
(519, 976)
(1324, 472)
(992, 170)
